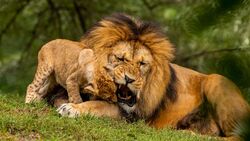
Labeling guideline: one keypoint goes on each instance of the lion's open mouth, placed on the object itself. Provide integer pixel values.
(125, 95)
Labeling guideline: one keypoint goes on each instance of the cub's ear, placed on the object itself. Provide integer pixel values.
(85, 56)
(110, 69)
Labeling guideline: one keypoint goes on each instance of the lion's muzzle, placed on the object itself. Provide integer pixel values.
(125, 95)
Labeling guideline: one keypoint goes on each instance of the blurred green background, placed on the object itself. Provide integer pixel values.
(209, 36)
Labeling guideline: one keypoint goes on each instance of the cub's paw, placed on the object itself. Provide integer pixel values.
(68, 110)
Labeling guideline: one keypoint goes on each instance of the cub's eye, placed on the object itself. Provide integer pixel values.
(142, 63)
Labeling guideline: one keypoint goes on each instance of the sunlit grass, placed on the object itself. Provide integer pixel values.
(19, 121)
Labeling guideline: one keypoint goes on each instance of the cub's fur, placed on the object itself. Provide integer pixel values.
(66, 63)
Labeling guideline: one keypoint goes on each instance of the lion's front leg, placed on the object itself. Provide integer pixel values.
(95, 108)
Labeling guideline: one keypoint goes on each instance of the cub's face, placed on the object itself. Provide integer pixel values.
(129, 65)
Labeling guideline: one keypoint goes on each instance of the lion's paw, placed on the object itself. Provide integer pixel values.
(67, 110)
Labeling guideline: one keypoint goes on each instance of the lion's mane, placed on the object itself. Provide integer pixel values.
(119, 27)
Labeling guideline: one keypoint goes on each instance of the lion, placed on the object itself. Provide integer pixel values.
(72, 66)
(149, 87)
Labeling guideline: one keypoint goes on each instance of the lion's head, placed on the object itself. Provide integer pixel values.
(138, 54)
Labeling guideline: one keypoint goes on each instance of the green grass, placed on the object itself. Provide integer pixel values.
(19, 121)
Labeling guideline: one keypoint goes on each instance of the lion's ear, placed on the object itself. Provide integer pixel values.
(86, 56)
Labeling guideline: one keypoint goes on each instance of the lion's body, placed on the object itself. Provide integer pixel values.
(208, 104)
(70, 65)
(170, 95)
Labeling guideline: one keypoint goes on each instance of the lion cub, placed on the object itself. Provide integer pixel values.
(67, 63)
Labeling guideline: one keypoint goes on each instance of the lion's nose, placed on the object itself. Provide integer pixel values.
(129, 79)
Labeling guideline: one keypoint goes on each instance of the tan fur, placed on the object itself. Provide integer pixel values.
(69, 64)
(114, 38)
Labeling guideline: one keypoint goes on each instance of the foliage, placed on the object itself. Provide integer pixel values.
(209, 36)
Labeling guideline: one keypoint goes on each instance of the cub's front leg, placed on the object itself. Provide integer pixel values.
(83, 77)
(73, 88)
(86, 61)
(94, 108)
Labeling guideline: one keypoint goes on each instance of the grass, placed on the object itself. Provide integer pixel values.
(19, 121)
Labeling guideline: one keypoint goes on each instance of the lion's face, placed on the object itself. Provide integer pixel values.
(137, 54)
(129, 64)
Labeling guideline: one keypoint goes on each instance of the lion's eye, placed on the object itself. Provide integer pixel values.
(120, 59)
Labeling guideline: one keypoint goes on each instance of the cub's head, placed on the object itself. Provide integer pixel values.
(137, 55)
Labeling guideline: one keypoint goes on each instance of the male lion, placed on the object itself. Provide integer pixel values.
(66, 63)
(138, 56)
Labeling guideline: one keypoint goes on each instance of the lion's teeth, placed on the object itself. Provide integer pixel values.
(120, 86)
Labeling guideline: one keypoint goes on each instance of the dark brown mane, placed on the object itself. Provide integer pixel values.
(120, 27)
(171, 88)
(171, 94)
(135, 27)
